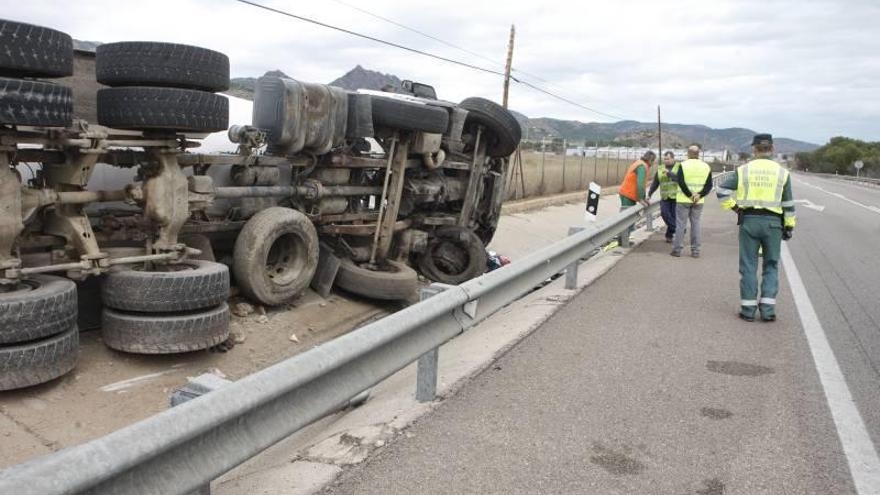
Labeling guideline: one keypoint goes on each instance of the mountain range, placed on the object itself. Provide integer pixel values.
(626, 132)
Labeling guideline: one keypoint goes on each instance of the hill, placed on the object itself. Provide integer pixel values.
(626, 132)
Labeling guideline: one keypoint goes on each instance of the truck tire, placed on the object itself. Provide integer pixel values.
(275, 255)
(38, 361)
(453, 255)
(187, 286)
(38, 307)
(138, 107)
(396, 281)
(408, 116)
(37, 103)
(503, 128)
(170, 333)
(144, 63)
(34, 51)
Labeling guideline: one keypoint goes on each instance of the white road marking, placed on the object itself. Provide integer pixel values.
(871, 208)
(124, 384)
(809, 204)
(864, 464)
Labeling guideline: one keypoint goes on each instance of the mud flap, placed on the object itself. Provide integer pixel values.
(325, 275)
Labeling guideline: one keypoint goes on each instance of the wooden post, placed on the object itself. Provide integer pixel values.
(659, 137)
(508, 66)
(564, 154)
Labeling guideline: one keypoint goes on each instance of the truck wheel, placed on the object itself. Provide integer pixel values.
(161, 333)
(138, 107)
(503, 128)
(37, 103)
(394, 281)
(34, 51)
(275, 255)
(186, 286)
(408, 116)
(144, 63)
(38, 361)
(37, 307)
(454, 255)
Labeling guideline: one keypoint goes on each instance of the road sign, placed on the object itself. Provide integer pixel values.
(858, 164)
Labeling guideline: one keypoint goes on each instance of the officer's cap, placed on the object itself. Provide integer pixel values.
(762, 139)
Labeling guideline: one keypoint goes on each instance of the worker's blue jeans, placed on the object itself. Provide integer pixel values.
(667, 211)
(759, 233)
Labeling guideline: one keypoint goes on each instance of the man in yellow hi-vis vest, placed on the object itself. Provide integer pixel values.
(765, 205)
(665, 181)
(694, 183)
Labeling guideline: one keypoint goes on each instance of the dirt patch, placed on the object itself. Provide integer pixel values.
(616, 463)
(736, 368)
(109, 390)
(713, 486)
(715, 413)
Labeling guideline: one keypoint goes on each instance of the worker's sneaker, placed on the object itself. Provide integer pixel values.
(768, 317)
(768, 312)
(677, 254)
(695, 254)
(669, 240)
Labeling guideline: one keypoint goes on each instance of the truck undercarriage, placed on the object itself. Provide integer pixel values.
(328, 188)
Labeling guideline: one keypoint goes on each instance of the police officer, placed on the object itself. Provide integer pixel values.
(763, 200)
(694, 183)
(665, 181)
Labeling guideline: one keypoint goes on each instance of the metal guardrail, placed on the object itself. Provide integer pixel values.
(850, 178)
(185, 447)
(719, 178)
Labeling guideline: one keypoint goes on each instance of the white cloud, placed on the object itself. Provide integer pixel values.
(803, 69)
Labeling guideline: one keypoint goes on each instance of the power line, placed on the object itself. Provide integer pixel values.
(432, 37)
(367, 37)
(570, 102)
(427, 54)
(421, 33)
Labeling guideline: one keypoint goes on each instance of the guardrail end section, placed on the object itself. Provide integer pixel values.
(197, 387)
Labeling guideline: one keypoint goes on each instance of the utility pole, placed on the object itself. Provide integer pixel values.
(508, 66)
(659, 136)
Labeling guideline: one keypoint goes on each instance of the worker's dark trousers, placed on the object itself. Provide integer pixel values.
(759, 233)
(667, 211)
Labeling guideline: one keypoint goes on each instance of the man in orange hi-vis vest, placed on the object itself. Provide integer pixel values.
(632, 190)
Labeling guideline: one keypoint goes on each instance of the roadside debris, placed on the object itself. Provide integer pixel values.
(495, 261)
(242, 309)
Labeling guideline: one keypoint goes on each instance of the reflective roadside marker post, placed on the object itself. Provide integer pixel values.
(592, 208)
(593, 193)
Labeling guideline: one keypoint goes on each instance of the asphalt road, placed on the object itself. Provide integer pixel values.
(648, 383)
(838, 254)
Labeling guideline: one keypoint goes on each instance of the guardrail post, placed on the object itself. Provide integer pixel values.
(197, 387)
(426, 374)
(624, 238)
(649, 220)
(571, 272)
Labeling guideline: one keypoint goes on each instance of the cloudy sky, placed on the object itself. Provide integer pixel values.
(798, 68)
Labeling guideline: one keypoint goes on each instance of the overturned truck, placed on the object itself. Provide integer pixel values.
(328, 187)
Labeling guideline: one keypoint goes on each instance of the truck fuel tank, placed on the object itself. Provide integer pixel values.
(298, 116)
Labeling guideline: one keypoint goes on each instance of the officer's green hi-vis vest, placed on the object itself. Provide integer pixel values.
(695, 174)
(668, 187)
(760, 185)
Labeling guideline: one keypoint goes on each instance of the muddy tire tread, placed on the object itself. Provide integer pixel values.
(206, 286)
(145, 63)
(32, 363)
(140, 333)
(48, 310)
